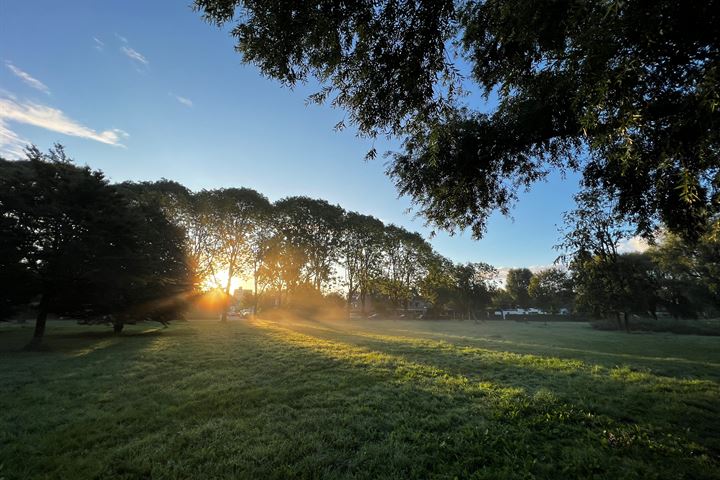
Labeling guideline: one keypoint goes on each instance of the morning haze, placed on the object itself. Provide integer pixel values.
(457, 239)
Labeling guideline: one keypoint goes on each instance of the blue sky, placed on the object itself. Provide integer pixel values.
(144, 90)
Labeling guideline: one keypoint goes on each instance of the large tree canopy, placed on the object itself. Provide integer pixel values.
(625, 91)
(84, 247)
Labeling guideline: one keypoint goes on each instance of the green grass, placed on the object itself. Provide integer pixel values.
(367, 399)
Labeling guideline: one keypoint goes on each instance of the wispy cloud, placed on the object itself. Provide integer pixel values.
(43, 116)
(121, 38)
(134, 55)
(99, 44)
(28, 79)
(185, 101)
(12, 145)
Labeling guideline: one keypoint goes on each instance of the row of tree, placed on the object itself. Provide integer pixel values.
(298, 248)
(73, 244)
(77, 245)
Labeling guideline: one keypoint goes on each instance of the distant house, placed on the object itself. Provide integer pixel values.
(519, 311)
(528, 311)
(510, 311)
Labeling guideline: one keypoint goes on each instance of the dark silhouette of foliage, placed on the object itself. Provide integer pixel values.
(313, 227)
(626, 92)
(517, 284)
(689, 273)
(89, 250)
(361, 254)
(551, 290)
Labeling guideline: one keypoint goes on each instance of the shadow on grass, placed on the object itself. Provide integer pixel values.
(638, 397)
(101, 335)
(664, 366)
(82, 337)
(260, 401)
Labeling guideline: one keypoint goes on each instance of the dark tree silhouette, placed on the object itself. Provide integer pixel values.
(626, 92)
(517, 285)
(88, 249)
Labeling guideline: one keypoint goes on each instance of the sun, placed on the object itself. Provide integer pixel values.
(219, 280)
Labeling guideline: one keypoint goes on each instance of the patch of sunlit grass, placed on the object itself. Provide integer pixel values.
(300, 398)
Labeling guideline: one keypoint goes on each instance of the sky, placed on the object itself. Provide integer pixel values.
(145, 90)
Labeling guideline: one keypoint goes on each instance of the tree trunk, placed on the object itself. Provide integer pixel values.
(627, 322)
(349, 304)
(619, 321)
(118, 327)
(225, 306)
(255, 296)
(226, 303)
(40, 322)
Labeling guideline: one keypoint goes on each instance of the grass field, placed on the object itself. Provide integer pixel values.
(364, 399)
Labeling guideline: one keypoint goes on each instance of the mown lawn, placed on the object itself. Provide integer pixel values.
(363, 399)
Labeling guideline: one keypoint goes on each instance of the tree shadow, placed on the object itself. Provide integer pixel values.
(96, 335)
(80, 338)
(660, 366)
(261, 401)
(638, 397)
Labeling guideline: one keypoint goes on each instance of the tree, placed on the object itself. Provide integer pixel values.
(473, 288)
(260, 245)
(180, 207)
(17, 283)
(439, 285)
(606, 281)
(158, 280)
(551, 289)
(88, 249)
(233, 217)
(627, 92)
(502, 300)
(517, 284)
(624, 287)
(407, 257)
(689, 273)
(360, 255)
(281, 268)
(313, 227)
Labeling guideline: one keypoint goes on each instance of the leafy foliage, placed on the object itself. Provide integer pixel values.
(551, 290)
(361, 253)
(517, 285)
(676, 274)
(690, 273)
(313, 228)
(625, 91)
(85, 249)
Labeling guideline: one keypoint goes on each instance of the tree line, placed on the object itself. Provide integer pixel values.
(678, 276)
(79, 246)
(299, 250)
